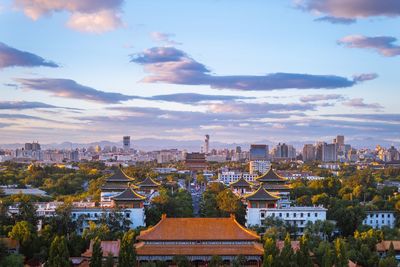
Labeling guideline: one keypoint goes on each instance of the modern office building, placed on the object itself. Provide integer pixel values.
(309, 152)
(259, 152)
(207, 144)
(126, 143)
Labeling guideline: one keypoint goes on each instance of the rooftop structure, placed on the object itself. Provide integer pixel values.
(198, 239)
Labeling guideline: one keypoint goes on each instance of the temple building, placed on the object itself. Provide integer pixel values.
(114, 185)
(241, 187)
(199, 239)
(273, 182)
(148, 186)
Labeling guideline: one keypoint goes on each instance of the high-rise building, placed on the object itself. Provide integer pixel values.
(259, 152)
(309, 152)
(126, 143)
(207, 144)
(28, 146)
(35, 146)
(339, 140)
(318, 150)
(329, 152)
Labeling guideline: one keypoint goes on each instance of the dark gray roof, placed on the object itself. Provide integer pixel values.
(129, 194)
(271, 176)
(261, 194)
(148, 182)
(241, 183)
(119, 176)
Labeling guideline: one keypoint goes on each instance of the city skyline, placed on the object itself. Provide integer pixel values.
(97, 70)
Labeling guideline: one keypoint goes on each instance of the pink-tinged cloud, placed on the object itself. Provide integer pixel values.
(174, 66)
(359, 103)
(163, 38)
(99, 22)
(384, 45)
(352, 9)
(12, 57)
(94, 16)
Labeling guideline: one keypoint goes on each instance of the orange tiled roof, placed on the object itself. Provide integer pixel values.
(143, 249)
(9, 243)
(385, 245)
(197, 229)
(106, 246)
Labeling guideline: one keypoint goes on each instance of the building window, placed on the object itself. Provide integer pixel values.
(280, 214)
(294, 214)
(287, 215)
(301, 215)
(316, 214)
(388, 215)
(308, 214)
(383, 215)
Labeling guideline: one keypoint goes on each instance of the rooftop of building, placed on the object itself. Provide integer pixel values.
(148, 182)
(241, 182)
(261, 195)
(195, 229)
(271, 176)
(129, 195)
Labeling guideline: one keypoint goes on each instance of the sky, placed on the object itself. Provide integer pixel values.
(238, 70)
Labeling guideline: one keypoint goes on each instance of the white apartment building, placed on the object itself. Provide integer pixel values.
(231, 176)
(259, 166)
(298, 216)
(136, 216)
(378, 219)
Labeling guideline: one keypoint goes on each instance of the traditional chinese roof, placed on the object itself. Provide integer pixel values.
(276, 187)
(241, 183)
(252, 249)
(261, 194)
(119, 176)
(195, 229)
(129, 194)
(385, 245)
(106, 246)
(271, 176)
(114, 186)
(148, 182)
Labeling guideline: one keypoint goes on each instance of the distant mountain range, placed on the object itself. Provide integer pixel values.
(151, 144)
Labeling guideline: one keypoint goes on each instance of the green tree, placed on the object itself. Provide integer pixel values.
(286, 257)
(127, 252)
(324, 254)
(341, 256)
(59, 254)
(13, 260)
(109, 260)
(23, 232)
(239, 261)
(270, 252)
(303, 255)
(97, 254)
(181, 261)
(215, 261)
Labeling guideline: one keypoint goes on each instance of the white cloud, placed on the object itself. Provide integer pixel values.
(102, 21)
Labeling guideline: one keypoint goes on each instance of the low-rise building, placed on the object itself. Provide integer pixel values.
(379, 219)
(231, 177)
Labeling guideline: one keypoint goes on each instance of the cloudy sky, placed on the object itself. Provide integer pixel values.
(239, 70)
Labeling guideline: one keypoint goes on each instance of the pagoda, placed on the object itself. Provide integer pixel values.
(241, 186)
(128, 199)
(198, 239)
(148, 185)
(273, 182)
(114, 185)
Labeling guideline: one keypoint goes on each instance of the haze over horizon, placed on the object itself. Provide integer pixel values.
(283, 71)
